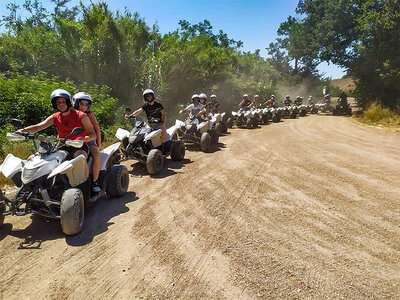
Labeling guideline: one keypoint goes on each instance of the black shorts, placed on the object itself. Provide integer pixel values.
(71, 150)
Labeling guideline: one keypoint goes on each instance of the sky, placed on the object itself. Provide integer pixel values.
(254, 22)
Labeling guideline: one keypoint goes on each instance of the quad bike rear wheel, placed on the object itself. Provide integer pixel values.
(224, 127)
(229, 123)
(314, 110)
(178, 150)
(302, 113)
(72, 211)
(348, 111)
(154, 162)
(293, 115)
(118, 181)
(205, 141)
(214, 136)
(218, 128)
(265, 119)
(2, 208)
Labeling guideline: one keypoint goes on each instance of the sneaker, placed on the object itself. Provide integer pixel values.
(95, 187)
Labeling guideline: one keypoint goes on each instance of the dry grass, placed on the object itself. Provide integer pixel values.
(375, 114)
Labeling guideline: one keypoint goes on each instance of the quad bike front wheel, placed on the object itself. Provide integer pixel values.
(72, 211)
(2, 208)
(154, 162)
(249, 123)
(224, 127)
(348, 111)
(205, 141)
(178, 150)
(118, 181)
(276, 118)
(255, 122)
(302, 113)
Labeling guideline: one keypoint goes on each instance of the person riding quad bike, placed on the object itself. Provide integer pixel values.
(214, 106)
(327, 104)
(343, 107)
(271, 101)
(256, 102)
(244, 104)
(155, 113)
(214, 110)
(298, 101)
(287, 101)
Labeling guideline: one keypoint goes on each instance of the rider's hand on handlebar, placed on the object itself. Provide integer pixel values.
(61, 140)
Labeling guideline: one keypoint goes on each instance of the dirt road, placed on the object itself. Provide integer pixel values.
(306, 209)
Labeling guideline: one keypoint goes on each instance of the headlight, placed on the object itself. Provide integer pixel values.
(29, 173)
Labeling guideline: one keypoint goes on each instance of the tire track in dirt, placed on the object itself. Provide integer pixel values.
(307, 209)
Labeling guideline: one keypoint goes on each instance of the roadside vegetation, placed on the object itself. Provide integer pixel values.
(377, 115)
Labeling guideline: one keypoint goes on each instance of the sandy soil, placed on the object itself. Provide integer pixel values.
(304, 209)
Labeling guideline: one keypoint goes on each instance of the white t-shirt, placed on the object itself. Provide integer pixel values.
(194, 110)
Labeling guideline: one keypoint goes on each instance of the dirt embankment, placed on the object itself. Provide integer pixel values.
(304, 209)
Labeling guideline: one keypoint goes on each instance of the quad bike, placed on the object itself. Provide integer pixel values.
(326, 106)
(53, 186)
(342, 110)
(194, 130)
(271, 114)
(216, 123)
(145, 145)
(312, 108)
(245, 118)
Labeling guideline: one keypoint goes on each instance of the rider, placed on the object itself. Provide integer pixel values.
(245, 102)
(155, 113)
(203, 101)
(83, 102)
(327, 99)
(298, 101)
(287, 101)
(271, 101)
(65, 120)
(196, 108)
(256, 102)
(213, 105)
(343, 100)
(310, 100)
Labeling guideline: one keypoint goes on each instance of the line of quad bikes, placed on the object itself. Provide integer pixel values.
(52, 186)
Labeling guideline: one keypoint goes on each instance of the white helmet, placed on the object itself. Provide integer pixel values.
(213, 96)
(203, 96)
(309, 97)
(272, 96)
(245, 96)
(147, 92)
(195, 96)
(287, 96)
(81, 96)
(256, 96)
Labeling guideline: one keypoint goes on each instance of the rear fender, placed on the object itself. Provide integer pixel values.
(171, 131)
(76, 170)
(106, 154)
(11, 165)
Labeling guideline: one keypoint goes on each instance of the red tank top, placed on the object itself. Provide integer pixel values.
(65, 124)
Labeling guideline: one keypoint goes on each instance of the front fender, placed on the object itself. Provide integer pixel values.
(76, 170)
(122, 133)
(11, 165)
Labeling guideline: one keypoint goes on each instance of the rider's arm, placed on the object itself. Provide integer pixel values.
(164, 117)
(251, 104)
(96, 128)
(89, 129)
(135, 113)
(38, 127)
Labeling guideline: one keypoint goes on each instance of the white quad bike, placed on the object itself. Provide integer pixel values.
(218, 122)
(145, 145)
(52, 186)
(194, 130)
(245, 117)
(272, 114)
